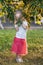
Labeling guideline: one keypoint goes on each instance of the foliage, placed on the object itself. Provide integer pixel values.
(28, 7)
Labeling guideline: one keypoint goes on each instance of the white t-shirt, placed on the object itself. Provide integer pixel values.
(21, 33)
(42, 20)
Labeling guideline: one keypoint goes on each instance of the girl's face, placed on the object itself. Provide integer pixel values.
(18, 15)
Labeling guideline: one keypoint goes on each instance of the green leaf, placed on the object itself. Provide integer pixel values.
(41, 6)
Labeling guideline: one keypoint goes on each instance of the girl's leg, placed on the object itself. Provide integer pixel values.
(19, 58)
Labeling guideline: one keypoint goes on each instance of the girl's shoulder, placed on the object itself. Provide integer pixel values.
(25, 23)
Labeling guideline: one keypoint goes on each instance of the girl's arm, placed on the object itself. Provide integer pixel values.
(16, 26)
(25, 25)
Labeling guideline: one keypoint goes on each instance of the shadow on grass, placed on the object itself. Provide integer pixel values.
(6, 58)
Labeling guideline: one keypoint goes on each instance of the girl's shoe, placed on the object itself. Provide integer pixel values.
(19, 60)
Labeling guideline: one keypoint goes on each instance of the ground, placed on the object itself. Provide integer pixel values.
(35, 48)
(33, 58)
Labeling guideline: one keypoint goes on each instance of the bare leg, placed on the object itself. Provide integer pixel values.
(19, 58)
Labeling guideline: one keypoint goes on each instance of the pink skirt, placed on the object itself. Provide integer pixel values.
(19, 46)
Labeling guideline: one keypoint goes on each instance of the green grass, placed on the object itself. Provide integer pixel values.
(34, 37)
(35, 48)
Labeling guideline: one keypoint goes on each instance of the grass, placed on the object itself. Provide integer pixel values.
(35, 48)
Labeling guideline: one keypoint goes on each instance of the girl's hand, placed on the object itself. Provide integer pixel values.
(16, 27)
(15, 22)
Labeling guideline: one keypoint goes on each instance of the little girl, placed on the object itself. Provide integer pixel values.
(19, 45)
